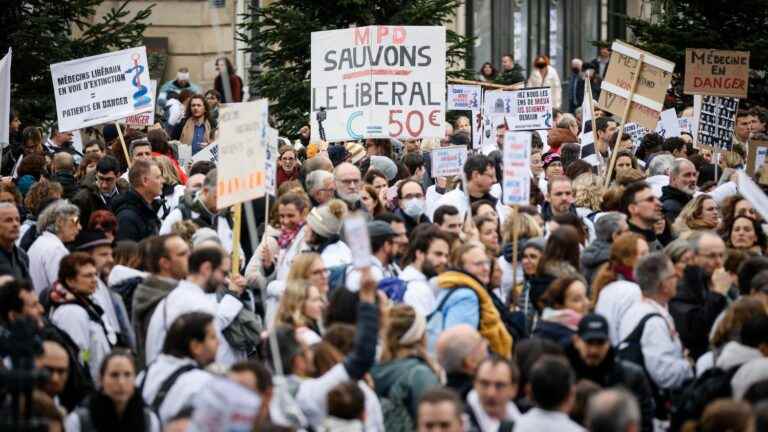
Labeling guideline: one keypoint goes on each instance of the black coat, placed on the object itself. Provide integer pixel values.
(695, 309)
(672, 202)
(15, 263)
(88, 199)
(612, 372)
(68, 184)
(136, 220)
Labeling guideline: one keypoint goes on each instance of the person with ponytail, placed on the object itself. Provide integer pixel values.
(405, 372)
(614, 289)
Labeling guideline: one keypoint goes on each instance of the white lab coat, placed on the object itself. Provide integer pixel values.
(614, 301)
(552, 80)
(418, 294)
(458, 199)
(45, 254)
(182, 391)
(87, 334)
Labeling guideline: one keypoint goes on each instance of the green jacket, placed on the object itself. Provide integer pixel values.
(410, 377)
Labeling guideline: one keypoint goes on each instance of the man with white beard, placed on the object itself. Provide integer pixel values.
(349, 183)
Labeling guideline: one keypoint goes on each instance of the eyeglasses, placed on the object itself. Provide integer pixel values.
(287, 159)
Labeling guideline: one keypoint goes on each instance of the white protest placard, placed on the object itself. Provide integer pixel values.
(101, 89)
(532, 109)
(448, 161)
(464, 97)
(378, 82)
(685, 124)
(636, 133)
(477, 129)
(270, 162)
(516, 185)
(356, 227)
(669, 125)
(209, 153)
(224, 406)
(753, 194)
(242, 145)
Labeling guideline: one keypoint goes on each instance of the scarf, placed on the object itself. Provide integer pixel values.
(625, 271)
(286, 236)
(566, 317)
(188, 132)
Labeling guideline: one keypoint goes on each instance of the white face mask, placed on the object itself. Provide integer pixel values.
(414, 207)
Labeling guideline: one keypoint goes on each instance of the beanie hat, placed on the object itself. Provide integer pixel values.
(549, 158)
(205, 234)
(385, 165)
(24, 183)
(556, 137)
(356, 152)
(337, 154)
(327, 219)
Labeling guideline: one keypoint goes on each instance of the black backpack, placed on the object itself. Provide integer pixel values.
(713, 384)
(165, 387)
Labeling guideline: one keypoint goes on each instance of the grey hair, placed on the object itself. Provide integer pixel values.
(696, 238)
(451, 355)
(607, 224)
(677, 166)
(316, 178)
(53, 213)
(661, 165)
(210, 180)
(676, 249)
(651, 271)
(612, 410)
(567, 120)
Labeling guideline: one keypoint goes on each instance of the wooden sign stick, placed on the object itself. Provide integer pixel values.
(237, 219)
(632, 89)
(125, 148)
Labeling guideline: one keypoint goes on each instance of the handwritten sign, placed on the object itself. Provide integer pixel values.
(448, 161)
(378, 82)
(242, 147)
(636, 133)
(716, 72)
(647, 101)
(717, 119)
(464, 97)
(516, 185)
(101, 89)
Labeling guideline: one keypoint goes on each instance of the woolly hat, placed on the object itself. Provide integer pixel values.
(385, 165)
(327, 219)
(549, 158)
(536, 242)
(24, 183)
(559, 136)
(205, 234)
(356, 152)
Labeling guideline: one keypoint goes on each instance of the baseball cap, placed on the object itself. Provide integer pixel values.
(593, 327)
(380, 229)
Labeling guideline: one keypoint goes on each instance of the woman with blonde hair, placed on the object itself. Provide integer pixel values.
(172, 190)
(405, 372)
(301, 307)
(587, 193)
(614, 289)
(701, 213)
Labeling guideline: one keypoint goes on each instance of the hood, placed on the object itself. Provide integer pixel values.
(120, 273)
(673, 193)
(149, 293)
(385, 375)
(598, 252)
(736, 354)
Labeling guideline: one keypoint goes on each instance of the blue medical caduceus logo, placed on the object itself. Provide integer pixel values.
(140, 98)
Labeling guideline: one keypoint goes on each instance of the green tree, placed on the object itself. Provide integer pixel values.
(720, 24)
(42, 32)
(279, 36)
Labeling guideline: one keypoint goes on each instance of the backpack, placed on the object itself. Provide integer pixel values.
(436, 321)
(394, 288)
(394, 406)
(713, 384)
(337, 277)
(165, 387)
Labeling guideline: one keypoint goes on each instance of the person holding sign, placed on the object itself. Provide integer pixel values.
(195, 128)
(544, 75)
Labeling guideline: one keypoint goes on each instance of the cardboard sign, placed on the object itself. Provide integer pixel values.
(270, 162)
(669, 125)
(242, 147)
(464, 97)
(757, 155)
(356, 227)
(716, 72)
(378, 82)
(102, 88)
(448, 161)
(516, 185)
(648, 100)
(717, 119)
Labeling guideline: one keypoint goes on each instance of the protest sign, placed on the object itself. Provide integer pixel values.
(716, 121)
(448, 161)
(669, 125)
(464, 97)
(655, 74)
(270, 162)
(516, 185)
(754, 194)
(224, 406)
(378, 82)
(242, 145)
(757, 155)
(716, 72)
(101, 89)
(356, 227)
(477, 129)
(636, 133)
(146, 118)
(5, 98)
(685, 124)
(527, 109)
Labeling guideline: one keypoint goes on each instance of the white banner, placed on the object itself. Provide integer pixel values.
(669, 125)
(378, 82)
(464, 97)
(516, 185)
(527, 109)
(270, 162)
(5, 98)
(242, 148)
(101, 89)
(448, 161)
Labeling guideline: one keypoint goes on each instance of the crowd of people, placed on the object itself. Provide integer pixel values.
(642, 305)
